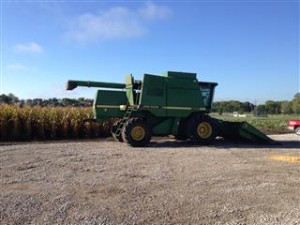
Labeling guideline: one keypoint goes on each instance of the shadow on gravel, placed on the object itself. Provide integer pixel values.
(225, 144)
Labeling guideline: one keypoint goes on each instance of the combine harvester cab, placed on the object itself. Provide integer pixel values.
(175, 103)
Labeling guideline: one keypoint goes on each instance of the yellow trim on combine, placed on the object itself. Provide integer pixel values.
(107, 106)
(122, 107)
(170, 107)
(177, 108)
(181, 108)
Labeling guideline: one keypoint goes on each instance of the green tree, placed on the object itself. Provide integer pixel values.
(296, 103)
(286, 107)
(273, 107)
(69, 102)
(232, 106)
(247, 106)
(14, 99)
(4, 99)
(8, 99)
(260, 110)
(220, 111)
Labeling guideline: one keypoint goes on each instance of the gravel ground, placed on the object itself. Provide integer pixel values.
(104, 182)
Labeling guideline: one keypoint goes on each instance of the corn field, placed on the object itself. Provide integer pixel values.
(42, 123)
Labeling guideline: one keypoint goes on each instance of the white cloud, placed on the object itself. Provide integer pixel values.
(117, 22)
(31, 47)
(17, 68)
(154, 12)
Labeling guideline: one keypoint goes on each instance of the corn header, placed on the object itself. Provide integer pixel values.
(175, 103)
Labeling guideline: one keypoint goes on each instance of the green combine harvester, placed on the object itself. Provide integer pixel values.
(175, 103)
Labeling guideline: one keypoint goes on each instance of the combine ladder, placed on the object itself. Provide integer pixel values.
(126, 117)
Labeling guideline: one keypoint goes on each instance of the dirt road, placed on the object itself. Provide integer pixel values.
(104, 182)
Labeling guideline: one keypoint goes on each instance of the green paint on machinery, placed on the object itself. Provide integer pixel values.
(175, 103)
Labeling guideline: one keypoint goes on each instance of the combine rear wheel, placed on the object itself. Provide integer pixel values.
(203, 129)
(136, 133)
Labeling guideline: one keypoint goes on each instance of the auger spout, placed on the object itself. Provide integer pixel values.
(72, 84)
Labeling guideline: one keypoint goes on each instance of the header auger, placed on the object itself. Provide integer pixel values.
(175, 103)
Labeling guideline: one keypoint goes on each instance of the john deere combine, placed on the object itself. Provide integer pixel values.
(175, 103)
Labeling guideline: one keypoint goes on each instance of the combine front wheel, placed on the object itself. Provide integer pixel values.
(137, 133)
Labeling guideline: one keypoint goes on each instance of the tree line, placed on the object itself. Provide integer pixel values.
(270, 107)
(12, 99)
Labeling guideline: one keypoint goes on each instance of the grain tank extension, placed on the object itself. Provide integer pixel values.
(175, 103)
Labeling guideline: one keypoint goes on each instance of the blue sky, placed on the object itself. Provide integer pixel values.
(251, 48)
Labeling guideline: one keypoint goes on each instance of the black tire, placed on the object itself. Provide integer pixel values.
(203, 129)
(136, 133)
(297, 131)
(114, 129)
(182, 130)
(180, 137)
